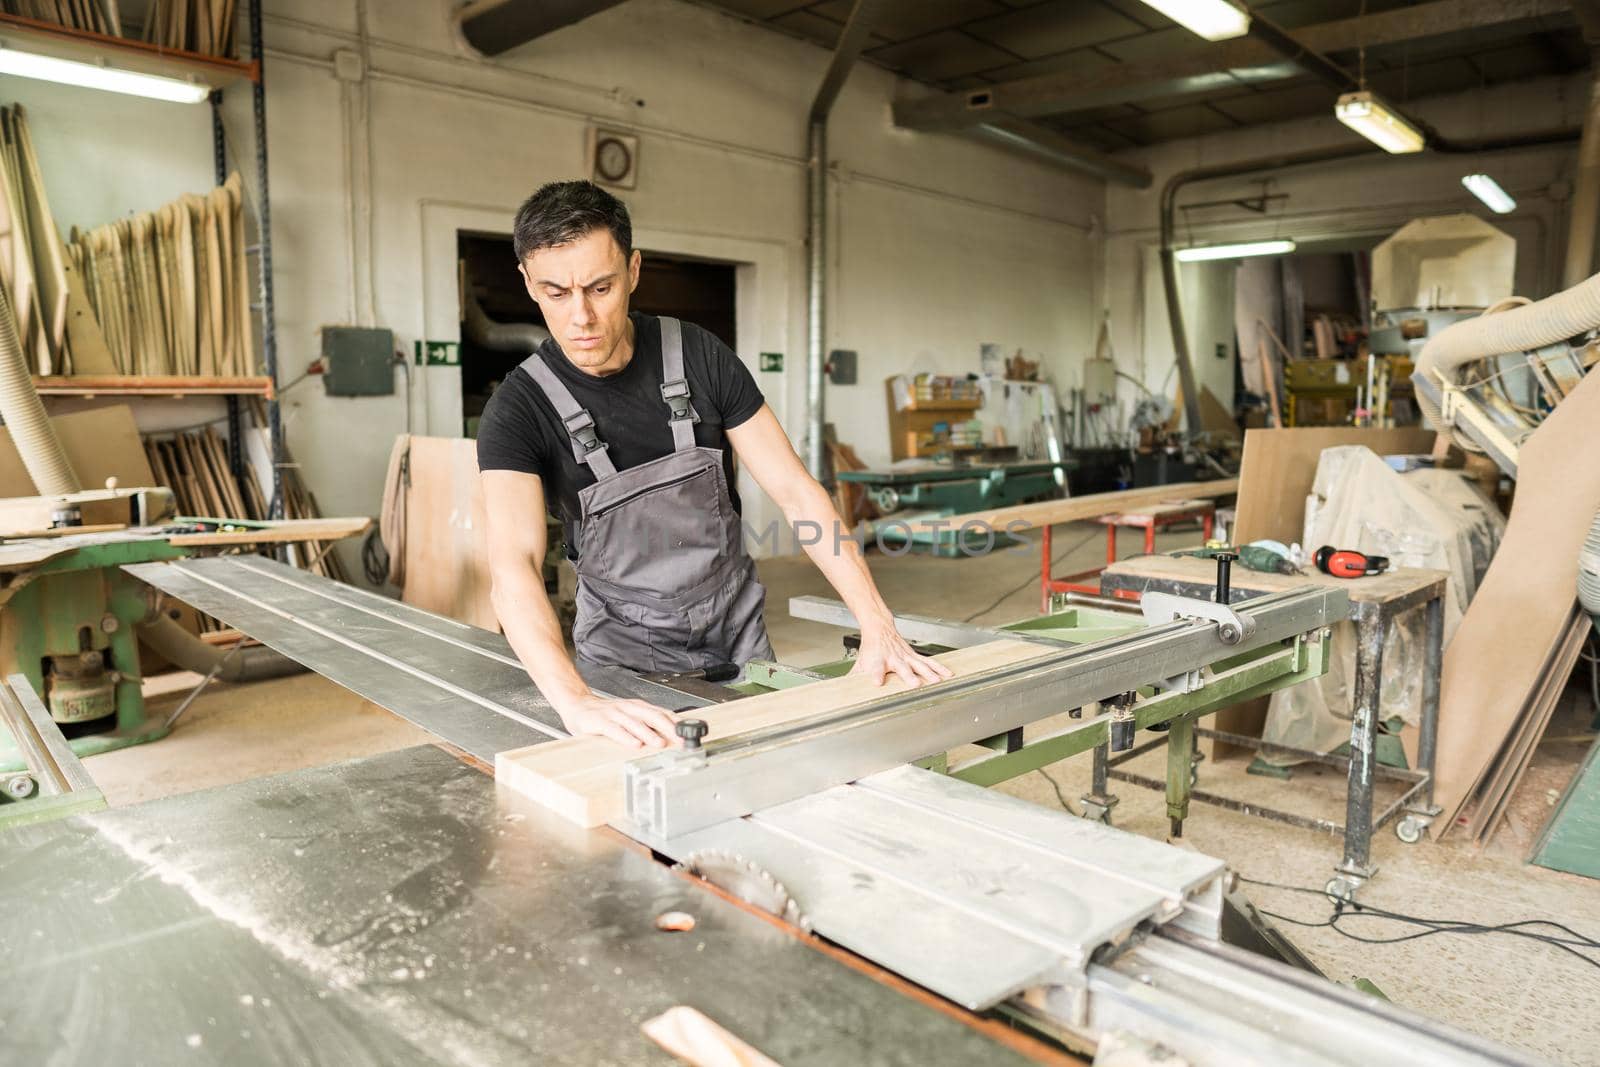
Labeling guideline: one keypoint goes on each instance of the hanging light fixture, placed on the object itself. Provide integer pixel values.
(1367, 114)
(99, 75)
(1488, 190)
(1215, 20)
(1201, 253)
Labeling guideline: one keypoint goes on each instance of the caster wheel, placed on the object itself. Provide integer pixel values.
(1409, 829)
(1340, 889)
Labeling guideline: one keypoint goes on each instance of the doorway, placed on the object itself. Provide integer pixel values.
(701, 291)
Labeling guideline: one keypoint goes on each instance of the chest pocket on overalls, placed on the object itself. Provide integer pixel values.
(660, 528)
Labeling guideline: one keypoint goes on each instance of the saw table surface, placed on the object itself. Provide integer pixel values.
(401, 910)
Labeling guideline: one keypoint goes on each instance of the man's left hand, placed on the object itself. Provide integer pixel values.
(887, 653)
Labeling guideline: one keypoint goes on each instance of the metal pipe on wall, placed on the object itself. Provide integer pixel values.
(851, 41)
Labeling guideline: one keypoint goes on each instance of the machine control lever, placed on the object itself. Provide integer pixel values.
(1224, 568)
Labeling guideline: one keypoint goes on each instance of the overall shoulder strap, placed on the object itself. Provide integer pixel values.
(675, 387)
(586, 444)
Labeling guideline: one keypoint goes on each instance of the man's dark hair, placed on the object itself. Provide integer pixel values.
(563, 212)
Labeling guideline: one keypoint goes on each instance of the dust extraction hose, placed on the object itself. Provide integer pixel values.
(183, 648)
(24, 415)
(1589, 572)
(1499, 333)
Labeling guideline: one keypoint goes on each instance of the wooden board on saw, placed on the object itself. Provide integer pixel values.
(100, 443)
(1513, 628)
(446, 554)
(1276, 472)
(580, 778)
(1074, 509)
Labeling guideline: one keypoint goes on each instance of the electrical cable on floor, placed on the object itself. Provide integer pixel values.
(1031, 580)
(1062, 797)
(1347, 909)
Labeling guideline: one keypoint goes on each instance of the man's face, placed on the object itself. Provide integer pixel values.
(583, 289)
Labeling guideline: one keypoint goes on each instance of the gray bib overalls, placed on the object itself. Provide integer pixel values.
(664, 582)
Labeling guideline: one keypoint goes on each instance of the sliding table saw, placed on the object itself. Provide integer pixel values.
(847, 906)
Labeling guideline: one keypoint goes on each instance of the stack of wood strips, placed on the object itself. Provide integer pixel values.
(194, 465)
(204, 26)
(55, 324)
(96, 16)
(170, 287)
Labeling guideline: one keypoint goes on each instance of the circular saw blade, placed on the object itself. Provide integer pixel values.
(746, 880)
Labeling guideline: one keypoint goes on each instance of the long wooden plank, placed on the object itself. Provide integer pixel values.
(286, 530)
(581, 777)
(1074, 509)
(48, 260)
(1524, 603)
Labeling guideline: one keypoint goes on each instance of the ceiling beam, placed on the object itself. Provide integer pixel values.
(1241, 61)
(1041, 142)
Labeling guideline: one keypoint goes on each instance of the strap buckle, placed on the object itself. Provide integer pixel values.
(580, 427)
(676, 394)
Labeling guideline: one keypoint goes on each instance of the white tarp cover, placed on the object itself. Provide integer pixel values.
(1429, 518)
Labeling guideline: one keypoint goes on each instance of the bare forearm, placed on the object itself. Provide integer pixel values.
(838, 556)
(531, 626)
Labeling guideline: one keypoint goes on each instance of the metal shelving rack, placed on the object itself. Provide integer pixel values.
(156, 59)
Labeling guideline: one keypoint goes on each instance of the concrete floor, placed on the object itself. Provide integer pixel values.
(1528, 995)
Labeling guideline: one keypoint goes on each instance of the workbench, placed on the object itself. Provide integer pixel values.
(928, 490)
(1149, 519)
(1375, 603)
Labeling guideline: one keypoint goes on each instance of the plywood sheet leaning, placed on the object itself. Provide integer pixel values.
(1505, 773)
(100, 443)
(580, 778)
(1522, 609)
(446, 564)
(1278, 467)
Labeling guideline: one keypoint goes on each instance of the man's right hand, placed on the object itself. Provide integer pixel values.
(630, 723)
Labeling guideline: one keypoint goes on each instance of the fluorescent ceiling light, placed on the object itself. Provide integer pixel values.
(1239, 251)
(1215, 20)
(99, 76)
(1488, 190)
(1368, 115)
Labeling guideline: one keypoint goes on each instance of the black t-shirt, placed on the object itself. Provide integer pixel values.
(520, 430)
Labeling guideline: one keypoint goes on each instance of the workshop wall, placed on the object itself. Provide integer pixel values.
(938, 243)
(1369, 196)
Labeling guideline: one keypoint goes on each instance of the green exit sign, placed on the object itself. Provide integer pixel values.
(772, 361)
(437, 353)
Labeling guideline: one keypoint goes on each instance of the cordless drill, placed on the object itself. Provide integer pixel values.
(1348, 563)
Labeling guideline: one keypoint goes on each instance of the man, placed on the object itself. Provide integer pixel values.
(622, 422)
